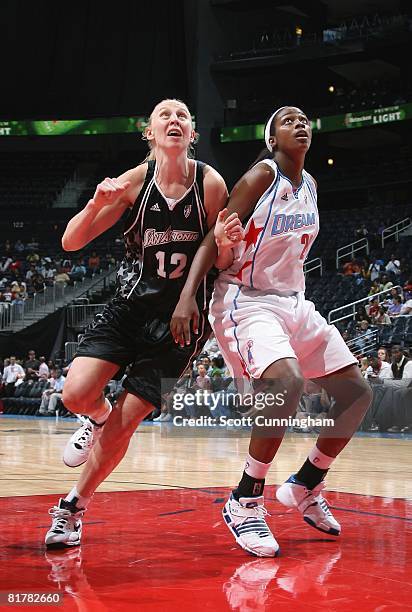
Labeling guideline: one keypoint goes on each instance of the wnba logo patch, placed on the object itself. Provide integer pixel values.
(249, 352)
(187, 210)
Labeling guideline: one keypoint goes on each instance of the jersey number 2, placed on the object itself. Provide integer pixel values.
(177, 259)
(305, 241)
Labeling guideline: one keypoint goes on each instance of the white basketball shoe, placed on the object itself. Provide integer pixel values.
(77, 449)
(246, 520)
(310, 503)
(66, 527)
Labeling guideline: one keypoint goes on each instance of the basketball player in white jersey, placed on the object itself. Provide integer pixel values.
(269, 333)
(170, 202)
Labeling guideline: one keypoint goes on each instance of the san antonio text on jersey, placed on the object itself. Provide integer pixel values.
(161, 240)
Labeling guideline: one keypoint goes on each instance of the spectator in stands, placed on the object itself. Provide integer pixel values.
(373, 309)
(7, 248)
(381, 227)
(33, 245)
(382, 318)
(361, 314)
(7, 294)
(406, 308)
(407, 290)
(67, 265)
(31, 366)
(217, 366)
(37, 282)
(351, 267)
(31, 272)
(33, 258)
(364, 364)
(110, 260)
(78, 271)
(374, 269)
(94, 262)
(377, 368)
(15, 266)
(49, 273)
(376, 287)
(43, 368)
(383, 355)
(53, 393)
(16, 291)
(19, 246)
(394, 308)
(401, 366)
(345, 335)
(62, 277)
(361, 231)
(386, 282)
(205, 360)
(11, 374)
(394, 266)
(203, 380)
(363, 334)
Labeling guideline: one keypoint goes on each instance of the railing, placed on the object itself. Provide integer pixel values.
(349, 249)
(52, 297)
(49, 299)
(313, 264)
(364, 344)
(79, 315)
(70, 349)
(353, 305)
(405, 223)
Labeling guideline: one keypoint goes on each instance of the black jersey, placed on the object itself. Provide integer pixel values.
(161, 240)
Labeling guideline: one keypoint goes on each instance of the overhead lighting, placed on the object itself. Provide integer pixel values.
(331, 88)
(330, 161)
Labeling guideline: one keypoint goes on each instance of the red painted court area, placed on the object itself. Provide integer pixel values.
(169, 550)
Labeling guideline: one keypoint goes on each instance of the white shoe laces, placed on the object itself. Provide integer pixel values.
(60, 517)
(258, 512)
(315, 493)
(85, 439)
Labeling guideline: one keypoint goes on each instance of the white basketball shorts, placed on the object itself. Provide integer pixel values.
(255, 328)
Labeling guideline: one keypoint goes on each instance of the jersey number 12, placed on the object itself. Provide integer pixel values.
(177, 259)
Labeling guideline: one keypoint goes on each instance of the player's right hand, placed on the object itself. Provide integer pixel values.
(108, 191)
(228, 230)
(185, 314)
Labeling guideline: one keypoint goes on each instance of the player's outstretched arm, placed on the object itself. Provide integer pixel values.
(111, 198)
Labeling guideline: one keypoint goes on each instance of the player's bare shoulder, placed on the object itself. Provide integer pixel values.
(215, 193)
(136, 176)
(213, 181)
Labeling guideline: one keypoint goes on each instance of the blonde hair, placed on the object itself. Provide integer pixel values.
(152, 149)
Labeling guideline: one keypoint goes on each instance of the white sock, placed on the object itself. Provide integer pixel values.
(319, 459)
(102, 418)
(80, 501)
(255, 468)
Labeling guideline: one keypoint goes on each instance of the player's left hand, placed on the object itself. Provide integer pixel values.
(185, 313)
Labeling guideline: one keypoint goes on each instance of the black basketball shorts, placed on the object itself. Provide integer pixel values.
(127, 333)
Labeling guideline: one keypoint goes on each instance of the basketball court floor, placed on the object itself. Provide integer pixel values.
(154, 537)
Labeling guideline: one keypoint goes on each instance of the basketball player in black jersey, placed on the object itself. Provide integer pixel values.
(170, 202)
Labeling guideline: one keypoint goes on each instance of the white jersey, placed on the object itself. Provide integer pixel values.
(278, 237)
